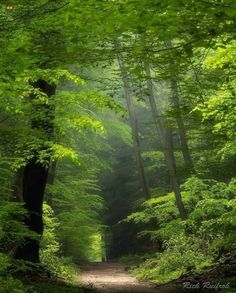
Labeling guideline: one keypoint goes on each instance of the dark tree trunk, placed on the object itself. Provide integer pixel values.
(35, 177)
(34, 182)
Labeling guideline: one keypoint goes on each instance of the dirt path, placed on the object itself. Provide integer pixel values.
(113, 277)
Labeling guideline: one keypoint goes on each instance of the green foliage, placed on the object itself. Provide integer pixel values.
(11, 285)
(73, 45)
(78, 207)
(12, 213)
(76, 200)
(195, 243)
(12, 229)
(96, 247)
(181, 253)
(156, 159)
(5, 262)
(60, 267)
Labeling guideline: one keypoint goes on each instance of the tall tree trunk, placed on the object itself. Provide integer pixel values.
(181, 127)
(175, 103)
(35, 178)
(171, 163)
(166, 141)
(134, 127)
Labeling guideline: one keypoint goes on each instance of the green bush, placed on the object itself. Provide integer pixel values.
(193, 244)
(59, 267)
(182, 253)
(7, 283)
(10, 285)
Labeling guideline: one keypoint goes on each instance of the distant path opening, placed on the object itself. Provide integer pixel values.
(113, 277)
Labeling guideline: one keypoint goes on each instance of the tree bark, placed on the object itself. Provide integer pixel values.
(35, 178)
(181, 127)
(175, 103)
(166, 141)
(173, 173)
(134, 128)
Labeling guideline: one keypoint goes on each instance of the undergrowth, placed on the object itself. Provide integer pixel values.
(192, 246)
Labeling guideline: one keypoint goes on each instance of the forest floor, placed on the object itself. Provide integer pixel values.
(114, 277)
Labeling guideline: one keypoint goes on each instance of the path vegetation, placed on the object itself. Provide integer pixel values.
(117, 140)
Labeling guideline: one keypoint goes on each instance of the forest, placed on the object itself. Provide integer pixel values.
(117, 146)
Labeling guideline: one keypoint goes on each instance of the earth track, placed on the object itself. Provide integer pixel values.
(114, 277)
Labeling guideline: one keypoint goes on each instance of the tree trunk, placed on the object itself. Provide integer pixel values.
(173, 173)
(52, 173)
(175, 103)
(17, 185)
(166, 141)
(181, 127)
(35, 178)
(134, 128)
(50, 181)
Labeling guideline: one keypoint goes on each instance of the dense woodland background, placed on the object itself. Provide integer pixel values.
(118, 132)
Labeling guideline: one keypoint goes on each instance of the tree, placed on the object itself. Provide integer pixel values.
(45, 49)
(134, 127)
(166, 138)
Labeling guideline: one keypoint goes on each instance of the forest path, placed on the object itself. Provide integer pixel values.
(113, 277)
